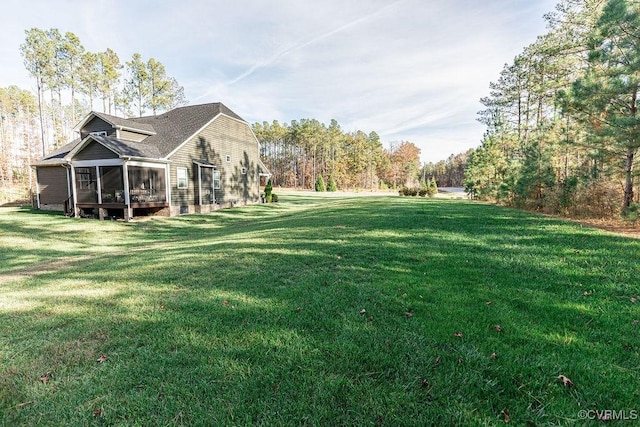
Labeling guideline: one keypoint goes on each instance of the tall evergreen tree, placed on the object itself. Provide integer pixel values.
(137, 88)
(38, 51)
(605, 100)
(109, 75)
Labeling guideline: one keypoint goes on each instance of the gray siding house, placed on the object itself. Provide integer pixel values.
(191, 159)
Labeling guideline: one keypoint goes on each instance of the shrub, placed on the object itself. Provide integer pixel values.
(332, 184)
(432, 187)
(320, 184)
(268, 190)
(422, 192)
(597, 199)
(632, 213)
(274, 198)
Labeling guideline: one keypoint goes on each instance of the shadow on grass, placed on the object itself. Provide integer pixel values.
(255, 316)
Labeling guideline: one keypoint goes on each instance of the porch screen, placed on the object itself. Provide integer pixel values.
(86, 184)
(147, 184)
(112, 184)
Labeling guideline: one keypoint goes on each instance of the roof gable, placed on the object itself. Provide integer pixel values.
(166, 132)
(117, 123)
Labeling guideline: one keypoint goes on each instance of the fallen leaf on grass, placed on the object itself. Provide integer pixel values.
(498, 328)
(103, 358)
(505, 413)
(633, 299)
(489, 302)
(565, 380)
(635, 323)
(46, 377)
(458, 334)
(225, 303)
(370, 319)
(363, 312)
(408, 314)
(97, 412)
(425, 383)
(493, 355)
(437, 361)
(586, 293)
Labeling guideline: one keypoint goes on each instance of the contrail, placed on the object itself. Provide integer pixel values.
(296, 46)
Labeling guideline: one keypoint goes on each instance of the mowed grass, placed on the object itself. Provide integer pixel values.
(317, 311)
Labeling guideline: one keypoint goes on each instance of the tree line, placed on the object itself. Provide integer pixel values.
(562, 130)
(299, 152)
(60, 65)
(69, 82)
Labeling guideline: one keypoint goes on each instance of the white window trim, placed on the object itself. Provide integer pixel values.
(186, 178)
(216, 180)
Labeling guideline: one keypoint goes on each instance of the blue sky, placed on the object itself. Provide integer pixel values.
(411, 70)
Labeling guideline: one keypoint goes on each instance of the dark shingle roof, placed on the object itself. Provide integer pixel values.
(57, 157)
(128, 148)
(176, 126)
(166, 132)
(128, 124)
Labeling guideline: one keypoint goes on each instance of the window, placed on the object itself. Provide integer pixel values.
(228, 158)
(216, 180)
(244, 171)
(84, 178)
(182, 177)
(99, 133)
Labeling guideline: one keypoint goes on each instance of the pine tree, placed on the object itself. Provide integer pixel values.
(432, 187)
(332, 184)
(320, 184)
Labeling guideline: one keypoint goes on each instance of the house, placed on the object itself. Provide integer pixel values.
(192, 159)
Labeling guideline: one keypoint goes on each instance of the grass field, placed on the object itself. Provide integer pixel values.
(317, 311)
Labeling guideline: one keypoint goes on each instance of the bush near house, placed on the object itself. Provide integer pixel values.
(268, 192)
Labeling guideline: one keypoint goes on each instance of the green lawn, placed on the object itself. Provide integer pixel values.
(317, 311)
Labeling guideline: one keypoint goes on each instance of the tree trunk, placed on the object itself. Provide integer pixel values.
(39, 85)
(628, 179)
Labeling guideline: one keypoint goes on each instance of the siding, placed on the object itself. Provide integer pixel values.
(97, 125)
(95, 151)
(131, 136)
(52, 185)
(224, 136)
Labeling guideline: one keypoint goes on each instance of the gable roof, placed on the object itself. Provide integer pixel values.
(117, 122)
(117, 146)
(166, 132)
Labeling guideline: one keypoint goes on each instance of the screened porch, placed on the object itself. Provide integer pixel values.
(111, 189)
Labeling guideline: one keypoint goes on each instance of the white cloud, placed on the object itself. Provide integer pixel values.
(408, 69)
